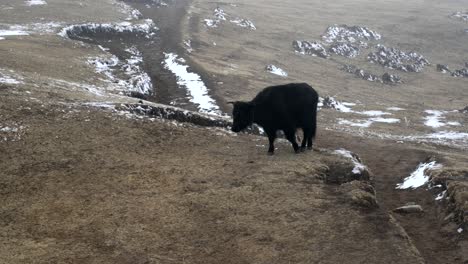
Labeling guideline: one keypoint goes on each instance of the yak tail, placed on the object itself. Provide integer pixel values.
(314, 121)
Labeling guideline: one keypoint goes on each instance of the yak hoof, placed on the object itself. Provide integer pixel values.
(270, 153)
(309, 147)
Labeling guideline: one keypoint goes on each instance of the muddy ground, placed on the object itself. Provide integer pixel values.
(83, 183)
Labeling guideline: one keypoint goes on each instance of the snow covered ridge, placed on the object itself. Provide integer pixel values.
(386, 78)
(276, 70)
(358, 166)
(310, 48)
(219, 16)
(435, 117)
(396, 59)
(147, 29)
(197, 92)
(128, 74)
(344, 33)
(419, 177)
(460, 15)
(35, 2)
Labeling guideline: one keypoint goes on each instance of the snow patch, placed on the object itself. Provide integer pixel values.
(395, 109)
(11, 32)
(447, 135)
(8, 79)
(196, 89)
(418, 178)
(35, 2)
(358, 166)
(245, 23)
(276, 70)
(441, 195)
(435, 117)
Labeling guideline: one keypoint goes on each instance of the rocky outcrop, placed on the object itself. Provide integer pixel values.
(396, 59)
(386, 78)
(310, 48)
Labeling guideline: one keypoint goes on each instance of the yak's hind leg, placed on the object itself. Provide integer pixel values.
(290, 134)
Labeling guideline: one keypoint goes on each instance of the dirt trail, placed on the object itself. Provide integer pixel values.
(391, 162)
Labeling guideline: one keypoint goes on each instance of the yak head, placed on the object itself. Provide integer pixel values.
(242, 114)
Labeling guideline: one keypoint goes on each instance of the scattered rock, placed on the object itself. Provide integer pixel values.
(390, 78)
(464, 110)
(443, 68)
(411, 208)
(396, 59)
(460, 15)
(386, 78)
(331, 103)
(350, 34)
(310, 48)
(460, 73)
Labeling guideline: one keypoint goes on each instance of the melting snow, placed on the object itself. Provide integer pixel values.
(196, 89)
(374, 113)
(358, 166)
(276, 70)
(35, 2)
(447, 135)
(9, 32)
(7, 79)
(441, 195)
(418, 178)
(435, 118)
(395, 109)
(459, 230)
(245, 23)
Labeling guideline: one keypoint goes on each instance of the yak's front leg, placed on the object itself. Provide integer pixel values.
(271, 139)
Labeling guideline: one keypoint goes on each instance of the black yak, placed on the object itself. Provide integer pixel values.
(283, 107)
